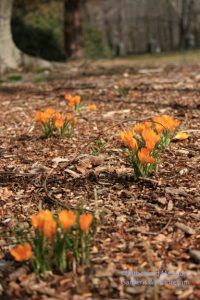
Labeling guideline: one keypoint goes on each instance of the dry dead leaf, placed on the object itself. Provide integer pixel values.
(170, 205)
(83, 166)
(160, 238)
(72, 173)
(101, 169)
(110, 114)
(185, 294)
(162, 200)
(5, 193)
(58, 160)
(97, 160)
(37, 168)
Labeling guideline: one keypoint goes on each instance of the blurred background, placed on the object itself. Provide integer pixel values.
(60, 29)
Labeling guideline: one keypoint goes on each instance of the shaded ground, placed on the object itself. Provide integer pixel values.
(138, 230)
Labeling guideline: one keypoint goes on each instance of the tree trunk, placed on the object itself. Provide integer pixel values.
(187, 17)
(73, 28)
(9, 54)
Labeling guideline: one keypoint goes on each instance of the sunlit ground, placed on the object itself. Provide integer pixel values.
(176, 57)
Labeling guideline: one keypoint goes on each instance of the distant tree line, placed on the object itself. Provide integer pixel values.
(101, 28)
(138, 26)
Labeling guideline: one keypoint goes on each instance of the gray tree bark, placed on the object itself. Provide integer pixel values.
(11, 58)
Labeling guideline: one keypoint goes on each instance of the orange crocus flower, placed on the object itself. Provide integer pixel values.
(150, 137)
(49, 228)
(21, 252)
(133, 144)
(159, 124)
(128, 139)
(45, 117)
(38, 116)
(91, 107)
(68, 117)
(72, 101)
(44, 222)
(58, 116)
(37, 221)
(49, 111)
(144, 156)
(77, 99)
(166, 122)
(68, 97)
(75, 121)
(85, 221)
(139, 128)
(59, 123)
(172, 124)
(67, 219)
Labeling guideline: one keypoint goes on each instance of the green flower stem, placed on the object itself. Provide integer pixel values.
(40, 251)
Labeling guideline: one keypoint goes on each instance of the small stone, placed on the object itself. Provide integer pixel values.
(162, 200)
(183, 171)
(170, 205)
(195, 254)
(185, 228)
(185, 152)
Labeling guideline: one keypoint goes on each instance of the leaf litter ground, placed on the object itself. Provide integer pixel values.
(146, 226)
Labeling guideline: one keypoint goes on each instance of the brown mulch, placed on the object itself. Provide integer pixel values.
(152, 225)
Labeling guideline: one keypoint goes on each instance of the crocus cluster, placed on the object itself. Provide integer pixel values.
(56, 239)
(147, 140)
(51, 121)
(73, 101)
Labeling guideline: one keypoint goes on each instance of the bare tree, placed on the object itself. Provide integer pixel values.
(9, 55)
(187, 17)
(73, 35)
(186, 12)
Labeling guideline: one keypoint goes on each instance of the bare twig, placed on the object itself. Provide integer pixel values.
(166, 226)
(141, 231)
(153, 181)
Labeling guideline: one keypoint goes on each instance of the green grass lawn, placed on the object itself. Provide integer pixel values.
(154, 60)
(169, 57)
